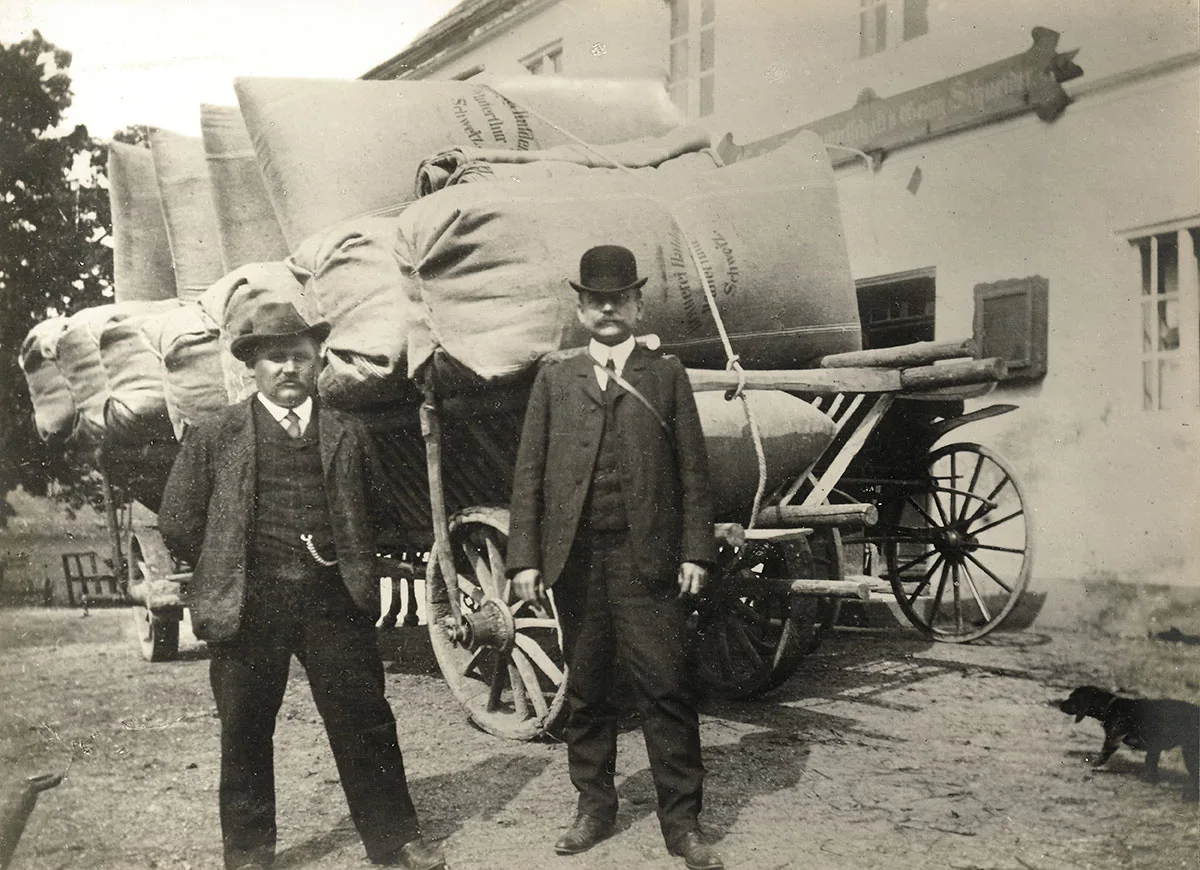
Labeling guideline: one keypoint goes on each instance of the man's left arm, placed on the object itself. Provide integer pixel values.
(691, 456)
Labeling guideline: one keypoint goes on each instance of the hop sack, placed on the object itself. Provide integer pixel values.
(194, 386)
(478, 272)
(793, 433)
(142, 266)
(332, 150)
(187, 205)
(135, 408)
(687, 149)
(79, 358)
(53, 407)
(246, 222)
(359, 287)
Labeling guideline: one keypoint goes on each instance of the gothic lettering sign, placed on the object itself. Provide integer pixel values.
(1030, 81)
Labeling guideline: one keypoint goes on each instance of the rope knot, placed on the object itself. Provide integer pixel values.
(734, 363)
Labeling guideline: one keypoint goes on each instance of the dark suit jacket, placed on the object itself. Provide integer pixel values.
(208, 506)
(664, 479)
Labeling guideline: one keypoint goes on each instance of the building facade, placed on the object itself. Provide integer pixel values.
(1076, 205)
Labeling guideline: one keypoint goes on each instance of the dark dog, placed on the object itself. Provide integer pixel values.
(1152, 725)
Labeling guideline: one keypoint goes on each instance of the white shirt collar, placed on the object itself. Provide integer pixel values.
(619, 352)
(303, 411)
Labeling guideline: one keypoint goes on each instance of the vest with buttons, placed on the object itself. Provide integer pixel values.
(290, 497)
(605, 507)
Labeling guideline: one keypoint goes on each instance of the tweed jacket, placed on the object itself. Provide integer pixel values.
(208, 508)
(664, 475)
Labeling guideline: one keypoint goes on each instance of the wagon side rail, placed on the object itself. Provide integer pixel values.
(936, 524)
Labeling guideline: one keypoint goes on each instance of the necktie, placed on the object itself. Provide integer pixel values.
(291, 423)
(610, 369)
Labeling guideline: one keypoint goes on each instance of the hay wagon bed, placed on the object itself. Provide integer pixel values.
(881, 512)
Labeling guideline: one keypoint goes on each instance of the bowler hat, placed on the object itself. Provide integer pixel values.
(607, 269)
(272, 320)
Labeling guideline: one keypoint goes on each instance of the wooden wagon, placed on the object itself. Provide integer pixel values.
(886, 509)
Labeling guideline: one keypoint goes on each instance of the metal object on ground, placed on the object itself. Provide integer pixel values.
(17, 804)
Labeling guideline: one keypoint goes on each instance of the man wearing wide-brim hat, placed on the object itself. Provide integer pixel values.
(267, 501)
(611, 509)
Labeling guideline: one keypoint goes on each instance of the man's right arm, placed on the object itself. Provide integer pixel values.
(183, 513)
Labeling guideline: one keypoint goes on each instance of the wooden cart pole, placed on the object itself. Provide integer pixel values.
(443, 555)
(114, 527)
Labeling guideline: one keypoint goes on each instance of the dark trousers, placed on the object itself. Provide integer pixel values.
(607, 610)
(336, 645)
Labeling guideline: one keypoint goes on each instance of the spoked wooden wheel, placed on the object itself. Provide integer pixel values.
(751, 634)
(960, 552)
(157, 630)
(503, 660)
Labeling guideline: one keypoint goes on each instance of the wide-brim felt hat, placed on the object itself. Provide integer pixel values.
(270, 321)
(607, 269)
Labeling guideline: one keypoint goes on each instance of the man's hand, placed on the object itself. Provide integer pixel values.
(692, 578)
(527, 584)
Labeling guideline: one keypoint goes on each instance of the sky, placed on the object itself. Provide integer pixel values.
(155, 62)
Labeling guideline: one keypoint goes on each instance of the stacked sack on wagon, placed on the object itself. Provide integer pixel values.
(432, 224)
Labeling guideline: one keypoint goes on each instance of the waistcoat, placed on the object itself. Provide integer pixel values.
(605, 508)
(290, 497)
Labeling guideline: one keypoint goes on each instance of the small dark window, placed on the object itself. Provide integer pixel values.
(1011, 323)
(897, 309)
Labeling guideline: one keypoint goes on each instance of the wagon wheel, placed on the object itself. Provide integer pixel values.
(504, 661)
(157, 630)
(750, 636)
(958, 552)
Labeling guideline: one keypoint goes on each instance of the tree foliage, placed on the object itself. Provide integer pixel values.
(54, 215)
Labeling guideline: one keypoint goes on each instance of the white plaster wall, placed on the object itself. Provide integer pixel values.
(622, 39)
(1114, 489)
(783, 63)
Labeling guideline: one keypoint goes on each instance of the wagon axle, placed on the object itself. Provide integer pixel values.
(489, 625)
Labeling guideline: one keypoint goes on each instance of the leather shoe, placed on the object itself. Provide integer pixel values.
(586, 831)
(418, 854)
(696, 854)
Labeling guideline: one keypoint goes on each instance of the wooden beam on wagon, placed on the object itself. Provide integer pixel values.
(821, 381)
(730, 534)
(954, 373)
(818, 516)
(918, 353)
(806, 586)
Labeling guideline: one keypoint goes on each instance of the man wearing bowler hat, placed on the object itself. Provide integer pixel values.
(611, 509)
(266, 501)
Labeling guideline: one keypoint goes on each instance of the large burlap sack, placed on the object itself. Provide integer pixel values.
(333, 150)
(189, 344)
(479, 272)
(187, 205)
(249, 230)
(793, 434)
(360, 288)
(686, 149)
(79, 358)
(232, 302)
(53, 407)
(135, 410)
(142, 267)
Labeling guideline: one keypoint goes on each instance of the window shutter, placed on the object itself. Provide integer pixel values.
(1011, 323)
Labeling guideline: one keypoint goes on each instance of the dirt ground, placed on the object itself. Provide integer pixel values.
(882, 751)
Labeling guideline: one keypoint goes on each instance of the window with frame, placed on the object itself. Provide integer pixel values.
(692, 45)
(547, 60)
(1170, 275)
(881, 22)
